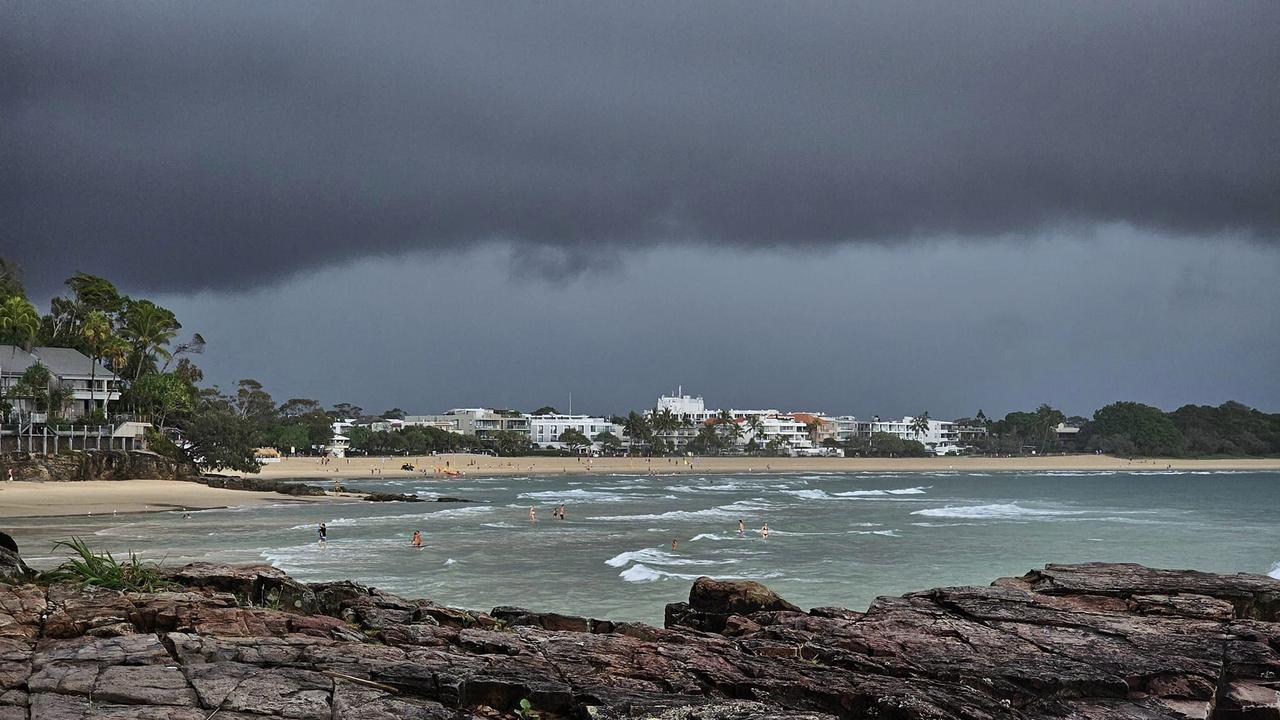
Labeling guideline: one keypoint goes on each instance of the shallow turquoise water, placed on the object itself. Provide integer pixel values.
(837, 538)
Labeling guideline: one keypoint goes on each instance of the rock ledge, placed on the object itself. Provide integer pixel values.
(1090, 641)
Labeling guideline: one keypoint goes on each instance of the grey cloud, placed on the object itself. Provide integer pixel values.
(188, 145)
(949, 328)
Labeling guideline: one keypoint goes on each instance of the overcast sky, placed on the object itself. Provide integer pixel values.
(864, 208)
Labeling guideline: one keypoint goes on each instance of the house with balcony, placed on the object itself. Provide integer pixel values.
(87, 385)
(474, 422)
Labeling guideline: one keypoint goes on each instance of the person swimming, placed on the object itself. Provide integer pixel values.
(417, 538)
(742, 528)
(533, 514)
(675, 542)
(764, 531)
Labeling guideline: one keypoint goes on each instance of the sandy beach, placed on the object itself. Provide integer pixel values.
(26, 499)
(104, 497)
(388, 467)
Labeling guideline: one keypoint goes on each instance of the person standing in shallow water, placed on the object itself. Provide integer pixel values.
(764, 531)
(533, 514)
(742, 528)
(417, 538)
(323, 532)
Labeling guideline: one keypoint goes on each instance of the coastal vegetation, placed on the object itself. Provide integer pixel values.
(88, 567)
(141, 342)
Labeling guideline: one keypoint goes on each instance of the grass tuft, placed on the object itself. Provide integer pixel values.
(102, 570)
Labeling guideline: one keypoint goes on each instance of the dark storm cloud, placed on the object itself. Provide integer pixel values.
(179, 146)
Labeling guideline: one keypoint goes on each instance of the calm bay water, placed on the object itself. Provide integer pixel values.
(836, 539)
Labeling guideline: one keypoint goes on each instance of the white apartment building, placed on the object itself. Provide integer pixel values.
(477, 422)
(684, 407)
(787, 428)
(545, 430)
(941, 438)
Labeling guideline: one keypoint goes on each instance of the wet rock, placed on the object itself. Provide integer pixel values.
(712, 602)
(12, 568)
(1065, 642)
(392, 497)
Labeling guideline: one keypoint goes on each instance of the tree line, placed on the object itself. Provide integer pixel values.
(141, 343)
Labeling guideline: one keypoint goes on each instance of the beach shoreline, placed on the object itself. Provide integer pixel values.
(375, 468)
(122, 497)
(107, 497)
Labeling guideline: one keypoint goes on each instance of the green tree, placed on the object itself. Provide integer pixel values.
(34, 385)
(920, 424)
(148, 328)
(394, 414)
(1046, 423)
(610, 442)
(1133, 428)
(637, 428)
(253, 403)
(545, 410)
(575, 439)
(163, 396)
(297, 407)
(217, 437)
(19, 322)
(96, 333)
(10, 280)
(344, 411)
(510, 442)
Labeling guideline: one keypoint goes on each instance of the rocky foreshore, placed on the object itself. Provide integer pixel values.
(1089, 641)
(82, 465)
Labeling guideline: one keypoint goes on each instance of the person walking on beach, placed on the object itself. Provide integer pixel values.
(764, 531)
(417, 539)
(323, 532)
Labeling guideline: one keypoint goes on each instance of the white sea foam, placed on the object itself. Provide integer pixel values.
(1275, 570)
(722, 512)
(999, 511)
(947, 524)
(657, 556)
(812, 494)
(578, 495)
(450, 561)
(643, 573)
(881, 493)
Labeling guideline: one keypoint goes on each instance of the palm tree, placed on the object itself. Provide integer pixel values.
(756, 425)
(96, 332)
(19, 322)
(637, 428)
(148, 328)
(920, 424)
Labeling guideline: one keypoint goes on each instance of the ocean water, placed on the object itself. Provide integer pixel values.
(836, 538)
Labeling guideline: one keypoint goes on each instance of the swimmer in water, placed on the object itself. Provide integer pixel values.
(417, 538)
(764, 531)
(742, 528)
(674, 543)
(533, 514)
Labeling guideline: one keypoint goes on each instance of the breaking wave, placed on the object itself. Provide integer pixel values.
(643, 573)
(999, 511)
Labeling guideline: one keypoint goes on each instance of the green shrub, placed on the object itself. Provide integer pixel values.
(102, 570)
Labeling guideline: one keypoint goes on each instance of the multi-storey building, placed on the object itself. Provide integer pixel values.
(475, 422)
(89, 386)
(545, 430)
